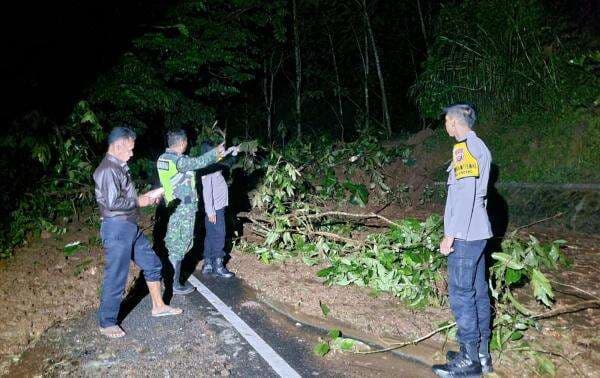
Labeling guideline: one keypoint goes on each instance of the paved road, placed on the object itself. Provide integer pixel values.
(201, 342)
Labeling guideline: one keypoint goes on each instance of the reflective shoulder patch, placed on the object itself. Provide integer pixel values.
(463, 162)
(162, 165)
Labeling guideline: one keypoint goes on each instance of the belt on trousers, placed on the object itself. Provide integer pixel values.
(128, 218)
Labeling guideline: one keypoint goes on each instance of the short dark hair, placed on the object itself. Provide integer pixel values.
(464, 111)
(175, 136)
(120, 132)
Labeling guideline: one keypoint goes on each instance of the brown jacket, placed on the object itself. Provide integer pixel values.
(115, 192)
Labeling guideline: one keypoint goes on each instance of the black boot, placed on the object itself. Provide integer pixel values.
(208, 267)
(485, 361)
(220, 270)
(178, 288)
(465, 364)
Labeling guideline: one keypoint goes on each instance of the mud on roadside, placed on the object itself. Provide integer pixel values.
(572, 339)
(41, 286)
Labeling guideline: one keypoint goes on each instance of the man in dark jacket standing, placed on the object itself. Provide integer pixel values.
(122, 238)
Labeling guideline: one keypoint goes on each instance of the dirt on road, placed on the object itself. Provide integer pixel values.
(571, 340)
(43, 287)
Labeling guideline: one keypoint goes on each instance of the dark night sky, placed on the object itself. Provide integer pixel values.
(53, 50)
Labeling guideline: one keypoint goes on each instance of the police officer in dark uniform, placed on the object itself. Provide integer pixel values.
(466, 230)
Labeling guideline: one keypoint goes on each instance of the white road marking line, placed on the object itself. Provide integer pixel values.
(267, 353)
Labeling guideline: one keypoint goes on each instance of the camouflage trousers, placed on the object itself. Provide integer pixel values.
(180, 231)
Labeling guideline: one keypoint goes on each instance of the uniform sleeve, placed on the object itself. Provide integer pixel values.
(186, 163)
(207, 195)
(461, 201)
(110, 187)
(448, 214)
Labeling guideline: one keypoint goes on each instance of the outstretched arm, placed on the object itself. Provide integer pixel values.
(186, 163)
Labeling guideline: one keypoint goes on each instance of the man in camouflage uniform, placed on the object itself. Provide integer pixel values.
(177, 176)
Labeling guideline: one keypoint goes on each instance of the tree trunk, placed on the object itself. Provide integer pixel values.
(270, 71)
(271, 98)
(384, 104)
(338, 86)
(298, 71)
(423, 30)
(268, 99)
(246, 122)
(366, 73)
(364, 60)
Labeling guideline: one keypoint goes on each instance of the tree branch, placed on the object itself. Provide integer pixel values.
(412, 342)
(568, 309)
(536, 222)
(351, 215)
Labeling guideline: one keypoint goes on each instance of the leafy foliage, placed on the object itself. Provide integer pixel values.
(503, 56)
(520, 262)
(404, 261)
(178, 72)
(66, 156)
(337, 342)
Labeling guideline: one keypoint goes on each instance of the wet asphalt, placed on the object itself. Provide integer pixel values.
(198, 343)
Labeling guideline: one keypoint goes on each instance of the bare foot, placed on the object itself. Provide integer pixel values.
(166, 311)
(112, 332)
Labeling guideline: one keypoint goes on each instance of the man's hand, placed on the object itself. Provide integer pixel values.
(446, 245)
(221, 153)
(212, 218)
(232, 150)
(144, 201)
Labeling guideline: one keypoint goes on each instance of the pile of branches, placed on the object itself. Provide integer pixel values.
(399, 256)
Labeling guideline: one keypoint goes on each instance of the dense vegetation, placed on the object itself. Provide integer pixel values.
(279, 71)
(294, 217)
(532, 79)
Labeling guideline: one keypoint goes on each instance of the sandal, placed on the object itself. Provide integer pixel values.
(112, 332)
(167, 311)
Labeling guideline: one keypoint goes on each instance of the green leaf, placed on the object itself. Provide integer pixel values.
(344, 344)
(272, 237)
(265, 257)
(359, 193)
(541, 288)
(495, 342)
(512, 276)
(347, 344)
(522, 309)
(507, 260)
(326, 272)
(287, 238)
(324, 308)
(72, 248)
(546, 366)
(334, 333)
(321, 349)
(521, 326)
(517, 335)
(310, 261)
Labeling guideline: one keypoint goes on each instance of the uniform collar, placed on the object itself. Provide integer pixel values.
(116, 160)
(468, 135)
(172, 152)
